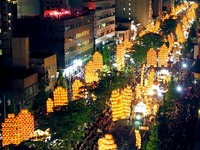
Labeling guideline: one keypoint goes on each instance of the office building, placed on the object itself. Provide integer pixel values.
(104, 20)
(18, 81)
(138, 10)
(28, 8)
(50, 4)
(67, 35)
(6, 17)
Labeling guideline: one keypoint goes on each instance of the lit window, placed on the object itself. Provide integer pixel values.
(9, 14)
(129, 14)
(129, 18)
(129, 9)
(124, 9)
(129, 4)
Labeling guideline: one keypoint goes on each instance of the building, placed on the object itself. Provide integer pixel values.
(138, 10)
(28, 8)
(18, 81)
(49, 4)
(156, 8)
(69, 36)
(45, 64)
(104, 20)
(6, 17)
(125, 29)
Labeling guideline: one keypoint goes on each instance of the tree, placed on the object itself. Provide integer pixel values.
(139, 54)
(153, 141)
(105, 52)
(67, 122)
(41, 97)
(152, 40)
(168, 26)
(61, 81)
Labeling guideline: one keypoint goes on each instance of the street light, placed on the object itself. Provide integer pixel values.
(179, 88)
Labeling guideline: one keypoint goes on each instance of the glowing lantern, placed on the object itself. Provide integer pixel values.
(126, 98)
(107, 143)
(25, 124)
(127, 44)
(139, 90)
(76, 85)
(49, 105)
(142, 33)
(98, 61)
(10, 133)
(151, 79)
(90, 74)
(116, 105)
(171, 41)
(179, 33)
(185, 22)
(151, 58)
(60, 96)
(163, 56)
(17, 129)
(120, 56)
(138, 139)
(142, 76)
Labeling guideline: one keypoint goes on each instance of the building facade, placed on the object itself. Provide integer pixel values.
(138, 10)
(28, 8)
(45, 64)
(6, 17)
(69, 37)
(104, 20)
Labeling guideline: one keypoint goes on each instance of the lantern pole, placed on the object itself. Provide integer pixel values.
(4, 106)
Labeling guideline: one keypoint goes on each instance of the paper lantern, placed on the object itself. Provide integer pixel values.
(151, 58)
(60, 96)
(107, 143)
(120, 56)
(49, 105)
(76, 91)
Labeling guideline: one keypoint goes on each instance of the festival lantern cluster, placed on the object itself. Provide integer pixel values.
(139, 91)
(150, 79)
(60, 96)
(163, 56)
(153, 27)
(151, 58)
(93, 67)
(147, 103)
(49, 105)
(76, 89)
(98, 61)
(16, 129)
(191, 12)
(127, 44)
(142, 75)
(185, 23)
(116, 105)
(107, 143)
(171, 41)
(120, 56)
(90, 74)
(179, 33)
(127, 96)
(60, 99)
(121, 103)
(138, 139)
